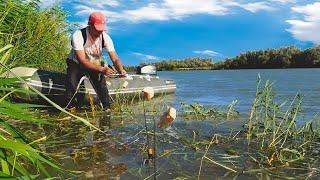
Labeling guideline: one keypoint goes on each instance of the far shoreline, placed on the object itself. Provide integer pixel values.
(210, 69)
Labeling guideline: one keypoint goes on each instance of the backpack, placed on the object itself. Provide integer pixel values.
(84, 36)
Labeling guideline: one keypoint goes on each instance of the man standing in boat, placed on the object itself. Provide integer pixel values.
(85, 59)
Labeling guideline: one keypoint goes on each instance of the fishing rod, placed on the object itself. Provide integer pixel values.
(149, 150)
(154, 149)
(148, 94)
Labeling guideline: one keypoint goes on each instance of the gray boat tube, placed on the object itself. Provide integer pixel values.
(52, 84)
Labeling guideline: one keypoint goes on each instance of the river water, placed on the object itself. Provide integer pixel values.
(221, 87)
(120, 152)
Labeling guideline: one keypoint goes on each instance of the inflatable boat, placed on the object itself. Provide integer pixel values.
(52, 85)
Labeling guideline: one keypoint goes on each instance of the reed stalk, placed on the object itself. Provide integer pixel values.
(40, 37)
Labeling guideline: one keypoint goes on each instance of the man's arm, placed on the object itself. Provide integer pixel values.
(81, 56)
(117, 62)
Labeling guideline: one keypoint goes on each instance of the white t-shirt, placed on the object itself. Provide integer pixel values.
(92, 49)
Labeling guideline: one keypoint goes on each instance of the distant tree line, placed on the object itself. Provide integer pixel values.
(189, 63)
(174, 64)
(287, 57)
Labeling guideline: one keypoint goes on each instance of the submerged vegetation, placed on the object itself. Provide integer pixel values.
(197, 111)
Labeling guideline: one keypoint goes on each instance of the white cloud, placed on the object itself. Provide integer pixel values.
(150, 12)
(306, 29)
(256, 6)
(102, 3)
(180, 8)
(311, 11)
(174, 9)
(171, 9)
(85, 11)
(209, 53)
(146, 56)
(283, 1)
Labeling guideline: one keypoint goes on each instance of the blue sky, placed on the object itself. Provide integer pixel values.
(154, 30)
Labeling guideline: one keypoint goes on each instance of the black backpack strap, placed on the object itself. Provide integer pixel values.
(102, 41)
(84, 35)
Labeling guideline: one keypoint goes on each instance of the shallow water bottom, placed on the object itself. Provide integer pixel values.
(188, 149)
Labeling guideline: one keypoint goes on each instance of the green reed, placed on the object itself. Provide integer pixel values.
(275, 142)
(275, 129)
(15, 148)
(20, 156)
(40, 37)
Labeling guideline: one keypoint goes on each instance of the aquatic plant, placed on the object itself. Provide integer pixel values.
(276, 130)
(198, 111)
(272, 128)
(275, 141)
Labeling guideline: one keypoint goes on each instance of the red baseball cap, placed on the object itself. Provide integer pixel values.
(98, 20)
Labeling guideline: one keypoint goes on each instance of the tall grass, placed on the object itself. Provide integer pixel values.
(20, 157)
(275, 129)
(39, 37)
